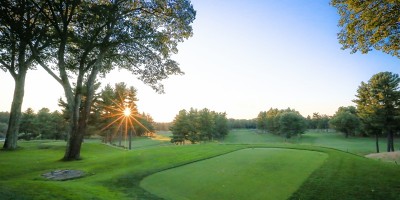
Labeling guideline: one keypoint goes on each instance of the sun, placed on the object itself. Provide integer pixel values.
(127, 112)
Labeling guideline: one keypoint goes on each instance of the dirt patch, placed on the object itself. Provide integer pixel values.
(386, 156)
(63, 174)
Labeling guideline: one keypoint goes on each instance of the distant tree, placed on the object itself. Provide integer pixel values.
(28, 128)
(273, 120)
(369, 24)
(221, 125)
(319, 121)
(109, 111)
(206, 125)
(196, 126)
(291, 123)
(378, 105)
(192, 126)
(4, 116)
(346, 121)
(262, 121)
(60, 125)
(145, 125)
(242, 123)
(162, 126)
(180, 128)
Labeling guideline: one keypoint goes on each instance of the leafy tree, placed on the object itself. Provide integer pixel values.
(93, 37)
(242, 123)
(346, 120)
(21, 28)
(368, 24)
(195, 126)
(206, 125)
(180, 128)
(110, 107)
(272, 120)
(4, 116)
(28, 127)
(378, 105)
(291, 123)
(319, 121)
(221, 125)
(262, 121)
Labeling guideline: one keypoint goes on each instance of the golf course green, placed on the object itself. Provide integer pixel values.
(256, 173)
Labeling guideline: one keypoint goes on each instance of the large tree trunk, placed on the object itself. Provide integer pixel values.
(80, 119)
(15, 113)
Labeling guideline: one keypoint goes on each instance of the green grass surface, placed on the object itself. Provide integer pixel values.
(113, 173)
(357, 145)
(238, 175)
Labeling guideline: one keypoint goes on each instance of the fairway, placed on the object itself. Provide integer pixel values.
(254, 173)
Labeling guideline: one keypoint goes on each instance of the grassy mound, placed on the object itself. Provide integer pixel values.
(257, 173)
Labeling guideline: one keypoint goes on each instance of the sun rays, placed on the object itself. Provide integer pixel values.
(123, 113)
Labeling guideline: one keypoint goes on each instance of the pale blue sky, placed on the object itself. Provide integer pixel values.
(245, 57)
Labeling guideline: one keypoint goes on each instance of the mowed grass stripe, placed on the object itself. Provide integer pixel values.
(254, 173)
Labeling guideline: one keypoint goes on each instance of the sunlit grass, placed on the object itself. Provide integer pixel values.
(114, 173)
(254, 173)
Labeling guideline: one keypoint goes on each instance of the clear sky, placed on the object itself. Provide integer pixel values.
(244, 57)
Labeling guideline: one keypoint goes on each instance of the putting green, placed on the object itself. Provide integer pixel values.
(259, 173)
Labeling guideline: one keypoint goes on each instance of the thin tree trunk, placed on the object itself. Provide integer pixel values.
(377, 142)
(15, 113)
(130, 139)
(390, 146)
(120, 137)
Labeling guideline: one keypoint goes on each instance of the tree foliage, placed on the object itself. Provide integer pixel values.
(318, 121)
(286, 122)
(242, 123)
(108, 113)
(42, 125)
(291, 123)
(90, 38)
(196, 126)
(346, 120)
(368, 24)
(378, 105)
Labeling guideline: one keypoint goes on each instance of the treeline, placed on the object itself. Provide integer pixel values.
(288, 122)
(242, 123)
(232, 124)
(198, 125)
(38, 125)
(4, 117)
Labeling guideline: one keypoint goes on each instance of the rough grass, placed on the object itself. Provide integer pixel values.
(238, 175)
(114, 173)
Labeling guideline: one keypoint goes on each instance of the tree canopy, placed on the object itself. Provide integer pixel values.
(378, 105)
(346, 120)
(196, 126)
(90, 38)
(368, 24)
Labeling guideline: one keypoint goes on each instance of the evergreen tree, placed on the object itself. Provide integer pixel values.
(378, 105)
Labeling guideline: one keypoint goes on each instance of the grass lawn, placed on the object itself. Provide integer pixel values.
(113, 173)
(254, 173)
(357, 145)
